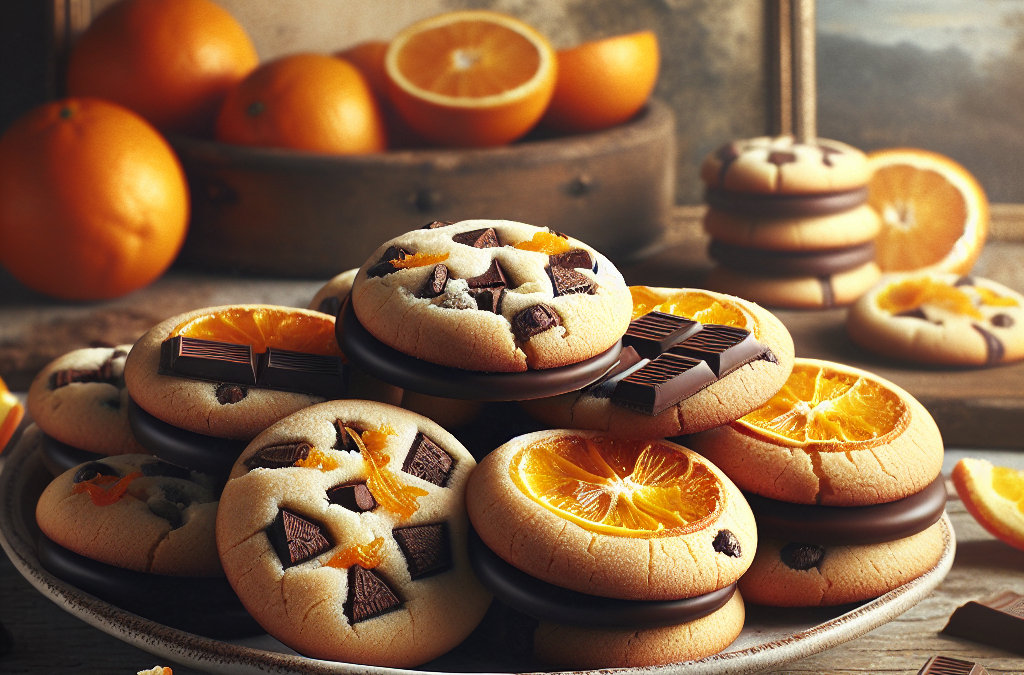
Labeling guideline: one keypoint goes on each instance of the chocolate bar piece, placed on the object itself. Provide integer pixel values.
(490, 299)
(944, 665)
(368, 595)
(997, 620)
(629, 361)
(295, 539)
(566, 281)
(576, 258)
(662, 383)
(653, 333)
(343, 439)
(279, 456)
(384, 266)
(352, 496)
(435, 283)
(316, 374)
(208, 360)
(534, 320)
(434, 224)
(484, 238)
(427, 549)
(105, 373)
(428, 461)
(723, 348)
(492, 278)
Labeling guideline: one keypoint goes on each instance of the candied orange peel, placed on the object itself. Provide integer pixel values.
(418, 260)
(105, 496)
(909, 294)
(993, 299)
(366, 556)
(384, 485)
(318, 460)
(263, 327)
(545, 242)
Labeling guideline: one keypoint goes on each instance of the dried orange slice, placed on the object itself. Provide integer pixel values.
(934, 213)
(265, 327)
(619, 487)
(693, 304)
(827, 404)
(994, 495)
(11, 412)
(470, 78)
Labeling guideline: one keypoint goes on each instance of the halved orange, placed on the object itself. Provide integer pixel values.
(11, 412)
(623, 488)
(994, 495)
(692, 304)
(280, 328)
(828, 404)
(934, 213)
(470, 78)
(603, 83)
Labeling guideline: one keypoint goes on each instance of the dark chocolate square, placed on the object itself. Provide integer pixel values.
(368, 595)
(662, 383)
(428, 461)
(352, 496)
(566, 281)
(208, 360)
(316, 374)
(577, 258)
(534, 320)
(492, 278)
(652, 334)
(427, 549)
(723, 348)
(279, 456)
(997, 620)
(483, 238)
(295, 539)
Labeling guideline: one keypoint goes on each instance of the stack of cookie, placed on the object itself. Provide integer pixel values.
(789, 222)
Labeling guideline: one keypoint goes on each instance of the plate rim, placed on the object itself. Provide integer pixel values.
(204, 653)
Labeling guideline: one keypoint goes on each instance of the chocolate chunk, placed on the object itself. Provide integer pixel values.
(726, 543)
(279, 456)
(569, 281)
(428, 461)
(561, 235)
(964, 281)
(997, 620)
(165, 470)
(802, 556)
(208, 360)
(828, 294)
(994, 348)
(485, 238)
(228, 393)
(944, 665)
(434, 224)
(343, 439)
(1002, 320)
(295, 539)
(652, 334)
(577, 258)
(330, 305)
(427, 549)
(93, 469)
(917, 313)
(826, 154)
(778, 158)
(727, 154)
(384, 266)
(723, 348)
(352, 496)
(534, 320)
(492, 278)
(368, 595)
(104, 373)
(662, 383)
(490, 299)
(315, 374)
(435, 283)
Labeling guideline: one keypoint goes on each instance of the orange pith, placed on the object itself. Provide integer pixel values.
(621, 488)
(694, 305)
(366, 556)
(419, 260)
(11, 412)
(383, 484)
(829, 409)
(263, 328)
(544, 242)
(994, 495)
(909, 294)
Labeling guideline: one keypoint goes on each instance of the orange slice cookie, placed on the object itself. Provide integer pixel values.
(724, 399)
(939, 318)
(343, 531)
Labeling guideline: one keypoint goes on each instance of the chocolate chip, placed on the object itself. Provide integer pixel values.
(295, 539)
(492, 278)
(428, 461)
(104, 373)
(368, 595)
(1002, 320)
(489, 299)
(435, 283)
(352, 496)
(427, 549)
(483, 238)
(228, 393)
(826, 154)
(802, 556)
(279, 456)
(165, 470)
(93, 469)
(343, 439)
(779, 158)
(964, 281)
(576, 258)
(569, 281)
(916, 313)
(726, 543)
(534, 320)
(434, 224)
(384, 266)
(167, 510)
(330, 305)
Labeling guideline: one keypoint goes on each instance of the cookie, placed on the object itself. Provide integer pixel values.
(343, 531)
(834, 435)
(941, 319)
(808, 292)
(494, 296)
(685, 532)
(331, 296)
(748, 385)
(135, 512)
(80, 400)
(858, 225)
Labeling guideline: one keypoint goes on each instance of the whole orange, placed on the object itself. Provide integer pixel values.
(368, 57)
(304, 102)
(171, 61)
(603, 83)
(93, 202)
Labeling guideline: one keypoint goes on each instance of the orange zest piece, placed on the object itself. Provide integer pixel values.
(419, 260)
(545, 242)
(265, 327)
(383, 484)
(366, 556)
(993, 299)
(909, 294)
(994, 495)
(11, 412)
(318, 460)
(825, 405)
(105, 496)
(691, 304)
(619, 487)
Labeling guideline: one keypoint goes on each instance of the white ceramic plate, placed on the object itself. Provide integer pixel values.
(771, 637)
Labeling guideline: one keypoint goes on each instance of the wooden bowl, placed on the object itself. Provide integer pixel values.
(265, 211)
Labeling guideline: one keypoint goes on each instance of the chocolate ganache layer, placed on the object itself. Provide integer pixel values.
(775, 205)
(791, 263)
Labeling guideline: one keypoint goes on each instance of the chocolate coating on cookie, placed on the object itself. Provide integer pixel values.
(785, 206)
(182, 447)
(792, 263)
